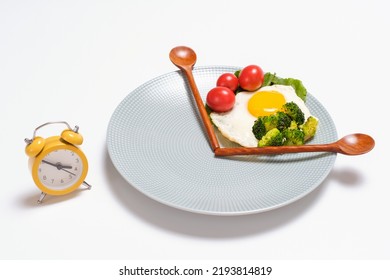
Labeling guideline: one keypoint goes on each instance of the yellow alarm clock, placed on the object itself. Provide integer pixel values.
(57, 164)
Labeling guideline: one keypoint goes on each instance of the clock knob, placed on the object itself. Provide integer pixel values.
(35, 146)
(72, 137)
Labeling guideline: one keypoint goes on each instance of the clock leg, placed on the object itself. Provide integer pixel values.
(41, 197)
(88, 185)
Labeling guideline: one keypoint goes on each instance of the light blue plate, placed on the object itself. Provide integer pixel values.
(156, 141)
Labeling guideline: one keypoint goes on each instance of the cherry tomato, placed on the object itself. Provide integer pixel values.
(220, 99)
(251, 77)
(228, 80)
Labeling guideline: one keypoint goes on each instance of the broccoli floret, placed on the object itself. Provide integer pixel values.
(309, 128)
(284, 121)
(259, 129)
(293, 125)
(262, 125)
(279, 120)
(295, 113)
(270, 122)
(293, 137)
(272, 138)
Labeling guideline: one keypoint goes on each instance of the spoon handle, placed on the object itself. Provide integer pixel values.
(201, 108)
(277, 150)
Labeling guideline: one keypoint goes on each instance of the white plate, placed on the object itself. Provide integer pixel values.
(156, 141)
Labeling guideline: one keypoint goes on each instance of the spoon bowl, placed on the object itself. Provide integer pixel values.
(355, 144)
(183, 57)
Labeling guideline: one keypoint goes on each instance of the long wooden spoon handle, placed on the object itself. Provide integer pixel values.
(276, 150)
(202, 110)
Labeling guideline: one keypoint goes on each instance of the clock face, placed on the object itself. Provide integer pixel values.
(60, 169)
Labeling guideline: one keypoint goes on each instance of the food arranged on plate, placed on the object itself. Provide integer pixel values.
(257, 109)
(279, 124)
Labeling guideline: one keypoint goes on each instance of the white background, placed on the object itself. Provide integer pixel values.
(76, 60)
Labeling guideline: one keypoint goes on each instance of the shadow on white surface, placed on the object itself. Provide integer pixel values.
(210, 226)
(346, 177)
(30, 200)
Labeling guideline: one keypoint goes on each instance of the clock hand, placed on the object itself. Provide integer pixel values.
(69, 172)
(66, 167)
(49, 163)
(58, 165)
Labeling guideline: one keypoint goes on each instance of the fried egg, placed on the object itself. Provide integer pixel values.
(236, 124)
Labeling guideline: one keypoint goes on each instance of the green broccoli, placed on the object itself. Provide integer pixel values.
(295, 113)
(272, 138)
(279, 120)
(293, 125)
(284, 121)
(309, 128)
(293, 137)
(286, 127)
(270, 122)
(259, 129)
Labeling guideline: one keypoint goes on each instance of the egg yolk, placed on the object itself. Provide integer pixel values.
(264, 103)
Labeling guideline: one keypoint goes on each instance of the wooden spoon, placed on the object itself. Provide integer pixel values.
(354, 144)
(185, 58)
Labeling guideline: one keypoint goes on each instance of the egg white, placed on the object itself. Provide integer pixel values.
(236, 124)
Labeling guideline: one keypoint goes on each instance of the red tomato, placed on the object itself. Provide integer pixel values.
(228, 80)
(251, 77)
(220, 99)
